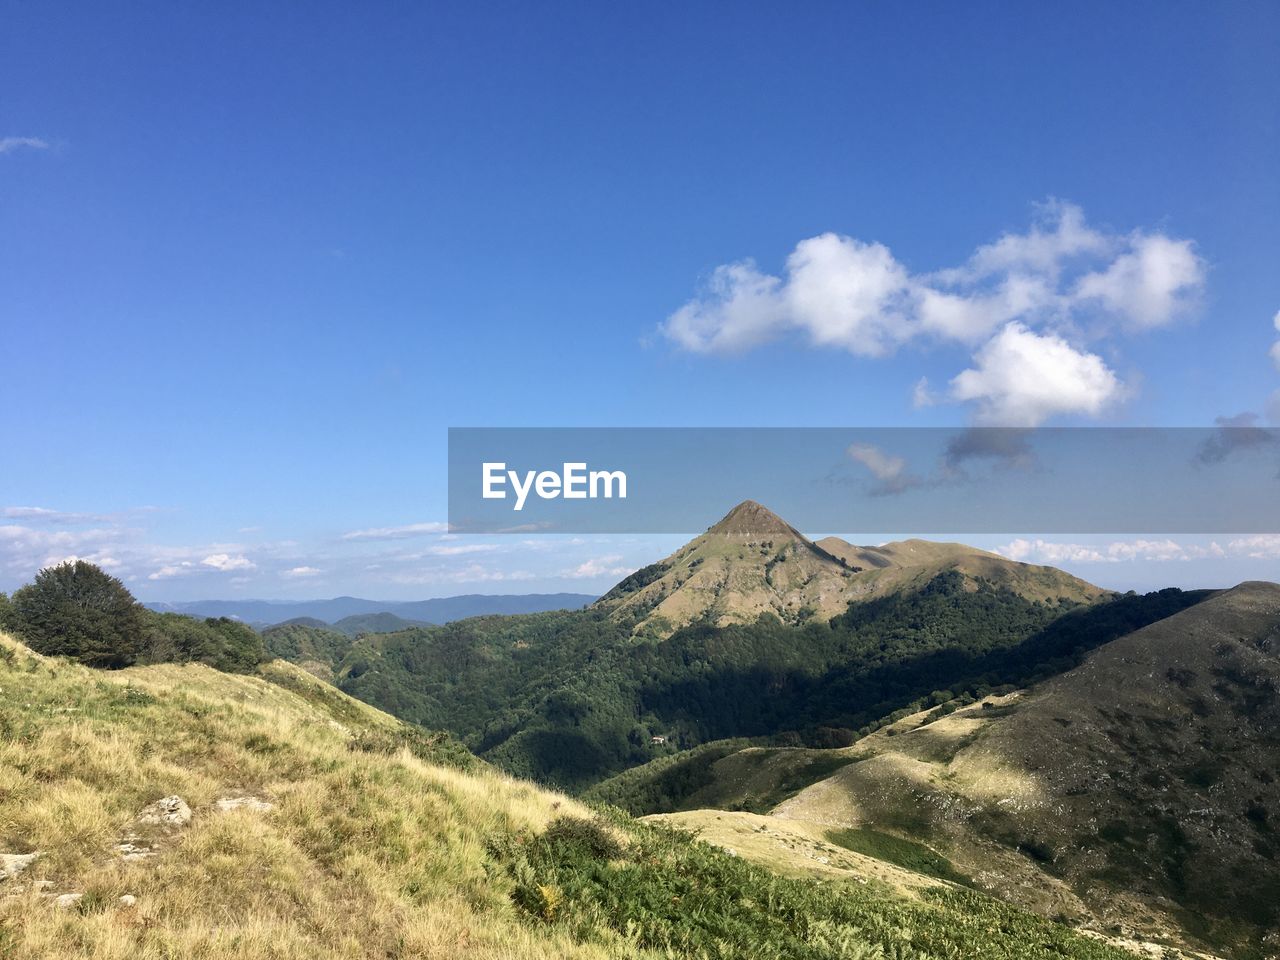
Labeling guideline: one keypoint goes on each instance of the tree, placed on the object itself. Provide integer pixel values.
(77, 610)
(221, 643)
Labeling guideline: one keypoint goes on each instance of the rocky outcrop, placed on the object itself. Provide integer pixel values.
(12, 864)
(166, 812)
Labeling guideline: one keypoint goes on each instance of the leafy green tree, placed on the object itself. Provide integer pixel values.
(222, 643)
(77, 610)
(6, 610)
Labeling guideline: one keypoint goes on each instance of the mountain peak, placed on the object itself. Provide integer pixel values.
(750, 517)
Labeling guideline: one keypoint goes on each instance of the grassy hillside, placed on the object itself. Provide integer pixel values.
(1138, 788)
(322, 828)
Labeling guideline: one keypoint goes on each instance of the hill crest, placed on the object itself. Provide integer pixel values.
(752, 562)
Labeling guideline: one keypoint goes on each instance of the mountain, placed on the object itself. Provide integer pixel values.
(319, 647)
(439, 610)
(1135, 792)
(360, 623)
(576, 697)
(908, 564)
(181, 812)
(752, 562)
(309, 643)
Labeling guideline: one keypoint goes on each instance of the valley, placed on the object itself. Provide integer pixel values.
(913, 750)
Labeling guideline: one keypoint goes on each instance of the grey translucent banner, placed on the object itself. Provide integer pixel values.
(899, 480)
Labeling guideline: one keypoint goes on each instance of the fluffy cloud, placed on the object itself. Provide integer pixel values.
(740, 311)
(1050, 552)
(1030, 291)
(298, 572)
(1021, 378)
(226, 562)
(844, 293)
(1257, 547)
(169, 571)
(847, 293)
(889, 470)
(9, 144)
(24, 550)
(608, 566)
(1150, 285)
(1264, 546)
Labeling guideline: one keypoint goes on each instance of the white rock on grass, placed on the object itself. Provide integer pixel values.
(168, 811)
(68, 900)
(227, 804)
(12, 864)
(131, 852)
(128, 900)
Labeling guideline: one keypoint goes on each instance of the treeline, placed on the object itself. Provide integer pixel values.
(572, 698)
(77, 610)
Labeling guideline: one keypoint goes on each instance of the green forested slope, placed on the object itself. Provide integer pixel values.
(570, 698)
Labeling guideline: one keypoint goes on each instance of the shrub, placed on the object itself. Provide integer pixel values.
(77, 610)
(590, 838)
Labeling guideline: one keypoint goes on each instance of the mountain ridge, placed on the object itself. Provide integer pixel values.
(330, 611)
(752, 562)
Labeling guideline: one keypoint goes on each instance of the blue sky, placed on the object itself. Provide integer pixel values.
(254, 262)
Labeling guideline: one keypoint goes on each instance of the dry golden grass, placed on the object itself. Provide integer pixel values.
(793, 848)
(363, 854)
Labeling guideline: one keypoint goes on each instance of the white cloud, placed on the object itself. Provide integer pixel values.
(396, 533)
(47, 515)
(883, 466)
(472, 573)
(24, 550)
(172, 570)
(1264, 546)
(299, 572)
(738, 311)
(455, 550)
(9, 144)
(1150, 285)
(848, 294)
(599, 567)
(921, 395)
(1021, 378)
(1118, 551)
(226, 562)
(1039, 250)
(842, 292)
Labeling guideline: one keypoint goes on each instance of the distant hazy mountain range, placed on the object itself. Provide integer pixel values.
(440, 610)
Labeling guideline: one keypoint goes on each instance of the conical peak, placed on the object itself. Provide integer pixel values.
(750, 517)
